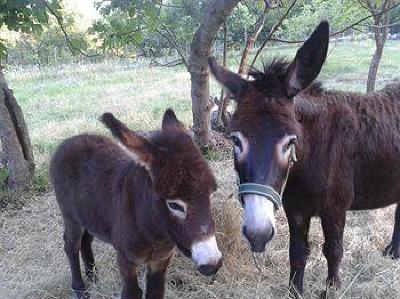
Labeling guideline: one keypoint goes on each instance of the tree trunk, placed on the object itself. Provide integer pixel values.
(251, 41)
(15, 140)
(374, 65)
(222, 118)
(380, 34)
(222, 102)
(216, 13)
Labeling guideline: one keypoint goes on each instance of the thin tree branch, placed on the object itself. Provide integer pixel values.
(363, 5)
(172, 6)
(365, 18)
(251, 9)
(258, 27)
(358, 23)
(381, 26)
(70, 44)
(172, 40)
(169, 64)
(127, 32)
(272, 32)
(359, 30)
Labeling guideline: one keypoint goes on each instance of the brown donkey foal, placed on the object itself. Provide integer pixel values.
(144, 196)
(348, 150)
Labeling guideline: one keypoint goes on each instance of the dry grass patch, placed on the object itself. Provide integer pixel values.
(61, 102)
(33, 264)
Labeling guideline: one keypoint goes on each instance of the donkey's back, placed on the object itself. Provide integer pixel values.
(84, 171)
(362, 131)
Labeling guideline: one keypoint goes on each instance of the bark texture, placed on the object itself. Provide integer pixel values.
(222, 103)
(216, 13)
(15, 141)
(251, 41)
(380, 30)
(222, 117)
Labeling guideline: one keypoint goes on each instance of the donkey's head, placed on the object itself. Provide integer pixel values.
(184, 183)
(265, 131)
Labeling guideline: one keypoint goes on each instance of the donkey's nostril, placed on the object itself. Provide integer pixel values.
(210, 269)
(259, 239)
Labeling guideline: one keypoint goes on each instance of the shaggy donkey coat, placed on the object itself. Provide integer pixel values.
(144, 196)
(348, 150)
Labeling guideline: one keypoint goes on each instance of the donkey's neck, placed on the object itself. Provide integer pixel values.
(144, 203)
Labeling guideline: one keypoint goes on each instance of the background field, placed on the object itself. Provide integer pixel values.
(65, 101)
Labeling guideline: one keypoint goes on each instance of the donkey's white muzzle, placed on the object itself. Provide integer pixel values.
(259, 222)
(207, 256)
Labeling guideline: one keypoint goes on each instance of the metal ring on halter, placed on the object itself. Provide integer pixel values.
(263, 190)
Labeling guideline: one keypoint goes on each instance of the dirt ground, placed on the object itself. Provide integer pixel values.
(33, 264)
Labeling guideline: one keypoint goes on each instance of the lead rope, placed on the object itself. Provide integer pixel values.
(292, 160)
(260, 268)
(260, 271)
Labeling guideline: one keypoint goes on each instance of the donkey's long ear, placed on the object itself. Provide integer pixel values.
(308, 61)
(232, 81)
(142, 149)
(170, 122)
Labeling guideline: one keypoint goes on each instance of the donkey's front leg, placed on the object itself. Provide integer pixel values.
(130, 286)
(393, 249)
(333, 223)
(155, 278)
(299, 249)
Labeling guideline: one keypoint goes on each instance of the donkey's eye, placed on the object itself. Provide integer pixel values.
(291, 142)
(177, 208)
(235, 140)
(239, 143)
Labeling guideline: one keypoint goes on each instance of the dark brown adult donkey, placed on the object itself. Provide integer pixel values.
(348, 149)
(144, 196)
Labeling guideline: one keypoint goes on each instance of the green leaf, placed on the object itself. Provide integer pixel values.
(3, 50)
(41, 16)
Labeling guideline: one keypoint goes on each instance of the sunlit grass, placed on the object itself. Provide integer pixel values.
(65, 101)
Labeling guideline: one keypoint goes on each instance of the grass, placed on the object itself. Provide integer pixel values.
(33, 264)
(65, 101)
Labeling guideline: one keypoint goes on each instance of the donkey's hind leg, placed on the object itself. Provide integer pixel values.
(72, 244)
(87, 256)
(393, 249)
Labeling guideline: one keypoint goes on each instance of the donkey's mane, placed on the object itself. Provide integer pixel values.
(187, 164)
(272, 77)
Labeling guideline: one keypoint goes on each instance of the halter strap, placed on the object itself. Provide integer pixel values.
(267, 191)
(263, 190)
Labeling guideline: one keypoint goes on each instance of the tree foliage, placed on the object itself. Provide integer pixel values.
(155, 28)
(49, 46)
(26, 16)
(146, 25)
(339, 13)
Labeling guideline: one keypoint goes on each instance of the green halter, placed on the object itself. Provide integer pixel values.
(263, 190)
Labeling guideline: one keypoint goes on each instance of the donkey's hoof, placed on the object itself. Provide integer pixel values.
(79, 291)
(328, 294)
(392, 251)
(81, 295)
(92, 275)
(333, 284)
(294, 293)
